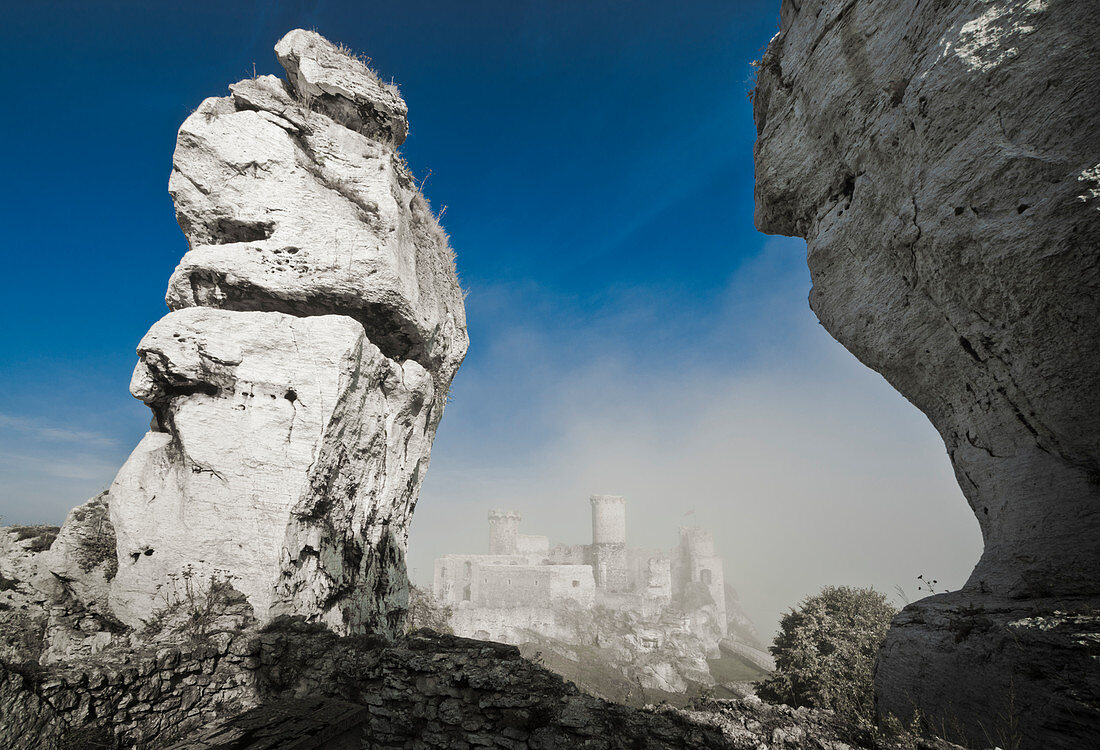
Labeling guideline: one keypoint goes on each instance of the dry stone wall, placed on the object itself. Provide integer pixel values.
(426, 691)
(429, 690)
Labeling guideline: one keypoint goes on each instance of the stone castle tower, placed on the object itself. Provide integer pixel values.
(609, 565)
(504, 532)
(698, 564)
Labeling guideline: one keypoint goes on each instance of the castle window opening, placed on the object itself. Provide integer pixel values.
(705, 576)
(576, 584)
(466, 593)
(469, 569)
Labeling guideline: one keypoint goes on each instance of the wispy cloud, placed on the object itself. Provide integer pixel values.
(808, 467)
(46, 469)
(53, 434)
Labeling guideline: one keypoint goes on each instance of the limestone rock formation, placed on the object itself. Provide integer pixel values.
(942, 161)
(24, 591)
(82, 562)
(296, 386)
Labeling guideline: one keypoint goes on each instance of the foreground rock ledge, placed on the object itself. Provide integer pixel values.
(943, 163)
(425, 691)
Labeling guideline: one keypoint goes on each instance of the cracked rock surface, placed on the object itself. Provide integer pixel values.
(943, 163)
(297, 384)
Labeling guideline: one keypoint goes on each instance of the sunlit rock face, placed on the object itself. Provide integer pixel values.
(943, 163)
(296, 386)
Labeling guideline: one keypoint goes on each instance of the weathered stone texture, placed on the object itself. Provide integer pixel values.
(82, 563)
(25, 590)
(942, 161)
(424, 691)
(251, 474)
(297, 385)
(285, 209)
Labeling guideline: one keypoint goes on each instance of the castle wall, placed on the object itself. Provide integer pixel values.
(456, 577)
(506, 596)
(696, 541)
(608, 519)
(708, 570)
(571, 554)
(508, 586)
(609, 560)
(609, 566)
(533, 546)
(649, 573)
(696, 562)
(658, 578)
(512, 625)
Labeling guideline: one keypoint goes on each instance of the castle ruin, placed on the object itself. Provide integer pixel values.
(524, 582)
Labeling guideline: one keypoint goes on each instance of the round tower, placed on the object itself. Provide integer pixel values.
(609, 542)
(608, 519)
(503, 532)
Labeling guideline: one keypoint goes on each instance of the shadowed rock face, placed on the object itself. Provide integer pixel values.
(297, 385)
(942, 161)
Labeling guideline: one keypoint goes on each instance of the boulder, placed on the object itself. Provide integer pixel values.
(943, 164)
(341, 85)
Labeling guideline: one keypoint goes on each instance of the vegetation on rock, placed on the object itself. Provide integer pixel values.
(425, 611)
(41, 537)
(825, 652)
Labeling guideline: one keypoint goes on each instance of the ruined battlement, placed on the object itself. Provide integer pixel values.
(524, 578)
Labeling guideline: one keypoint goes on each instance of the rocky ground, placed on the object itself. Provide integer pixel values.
(431, 690)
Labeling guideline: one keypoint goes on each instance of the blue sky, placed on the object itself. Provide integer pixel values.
(630, 331)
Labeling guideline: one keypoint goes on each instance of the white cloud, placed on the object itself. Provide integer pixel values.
(45, 470)
(52, 434)
(808, 467)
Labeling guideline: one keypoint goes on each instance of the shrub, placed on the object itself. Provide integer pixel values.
(98, 546)
(41, 536)
(21, 638)
(425, 611)
(825, 652)
(197, 607)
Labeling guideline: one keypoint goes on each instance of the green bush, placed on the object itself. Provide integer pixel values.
(825, 652)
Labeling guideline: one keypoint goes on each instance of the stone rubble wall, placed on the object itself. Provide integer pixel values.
(429, 690)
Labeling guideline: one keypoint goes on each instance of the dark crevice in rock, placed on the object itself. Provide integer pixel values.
(969, 348)
(385, 327)
(227, 230)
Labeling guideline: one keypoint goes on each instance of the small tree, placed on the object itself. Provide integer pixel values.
(825, 652)
(425, 611)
